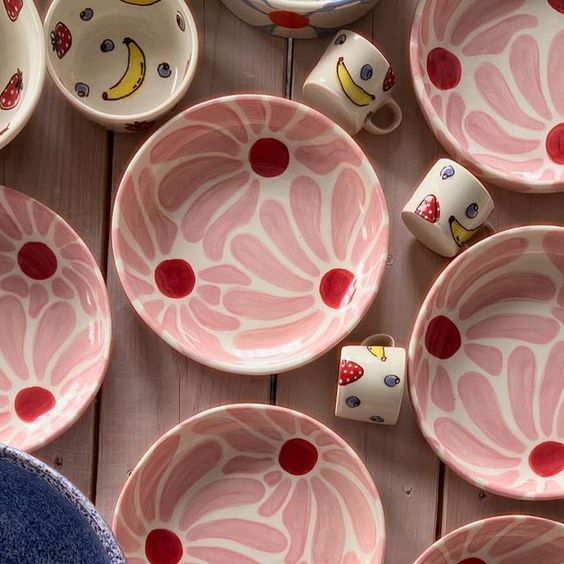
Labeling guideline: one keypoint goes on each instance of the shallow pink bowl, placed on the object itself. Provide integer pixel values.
(490, 82)
(251, 233)
(485, 364)
(512, 539)
(250, 483)
(55, 325)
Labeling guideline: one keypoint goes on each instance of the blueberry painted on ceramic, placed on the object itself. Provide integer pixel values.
(366, 72)
(86, 15)
(472, 210)
(352, 401)
(164, 70)
(180, 21)
(447, 172)
(107, 45)
(391, 380)
(340, 39)
(82, 89)
(377, 419)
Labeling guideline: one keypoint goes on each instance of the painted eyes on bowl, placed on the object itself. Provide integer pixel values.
(82, 89)
(107, 46)
(472, 211)
(87, 14)
(340, 39)
(164, 70)
(180, 21)
(366, 72)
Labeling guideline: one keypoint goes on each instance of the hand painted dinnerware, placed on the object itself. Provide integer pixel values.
(55, 326)
(250, 483)
(351, 82)
(123, 64)
(371, 381)
(489, 82)
(22, 72)
(45, 518)
(511, 539)
(250, 232)
(485, 364)
(448, 208)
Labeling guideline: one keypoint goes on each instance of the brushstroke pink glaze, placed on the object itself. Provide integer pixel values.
(491, 407)
(250, 223)
(250, 483)
(511, 539)
(497, 70)
(55, 326)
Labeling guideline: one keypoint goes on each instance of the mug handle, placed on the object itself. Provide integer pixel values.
(483, 232)
(377, 130)
(379, 339)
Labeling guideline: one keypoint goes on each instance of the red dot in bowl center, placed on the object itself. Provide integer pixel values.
(31, 403)
(442, 337)
(163, 547)
(37, 260)
(269, 157)
(290, 20)
(175, 278)
(558, 5)
(472, 560)
(547, 459)
(555, 143)
(297, 456)
(337, 287)
(444, 68)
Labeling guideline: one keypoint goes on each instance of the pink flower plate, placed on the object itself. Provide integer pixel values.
(489, 77)
(55, 325)
(485, 364)
(251, 233)
(250, 483)
(512, 539)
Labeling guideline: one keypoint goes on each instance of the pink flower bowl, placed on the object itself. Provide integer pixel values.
(55, 325)
(490, 83)
(250, 483)
(251, 233)
(485, 364)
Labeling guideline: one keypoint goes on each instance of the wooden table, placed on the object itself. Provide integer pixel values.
(75, 166)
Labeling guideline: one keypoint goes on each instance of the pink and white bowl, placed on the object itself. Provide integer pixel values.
(511, 539)
(55, 324)
(485, 364)
(250, 483)
(250, 232)
(489, 80)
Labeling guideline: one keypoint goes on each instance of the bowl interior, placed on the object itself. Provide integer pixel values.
(486, 363)
(252, 482)
(251, 233)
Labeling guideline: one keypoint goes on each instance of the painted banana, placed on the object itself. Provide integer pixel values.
(459, 233)
(379, 352)
(141, 2)
(355, 93)
(133, 76)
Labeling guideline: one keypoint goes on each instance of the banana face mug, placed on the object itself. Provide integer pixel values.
(351, 82)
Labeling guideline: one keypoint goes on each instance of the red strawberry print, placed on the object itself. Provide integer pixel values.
(429, 209)
(13, 7)
(349, 372)
(11, 94)
(61, 39)
(389, 80)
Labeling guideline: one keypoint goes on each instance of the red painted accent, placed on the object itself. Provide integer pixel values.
(269, 157)
(10, 96)
(349, 372)
(337, 287)
(37, 261)
(555, 143)
(291, 20)
(547, 459)
(163, 547)
(298, 456)
(175, 278)
(442, 338)
(429, 209)
(30, 403)
(444, 68)
(389, 80)
(13, 8)
(472, 560)
(558, 5)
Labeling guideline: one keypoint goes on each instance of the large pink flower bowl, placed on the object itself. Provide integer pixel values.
(251, 233)
(489, 77)
(485, 364)
(55, 325)
(250, 483)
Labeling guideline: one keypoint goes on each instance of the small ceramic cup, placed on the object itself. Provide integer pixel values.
(371, 381)
(448, 208)
(351, 82)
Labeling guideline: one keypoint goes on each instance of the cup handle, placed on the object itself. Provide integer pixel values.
(375, 129)
(483, 232)
(379, 339)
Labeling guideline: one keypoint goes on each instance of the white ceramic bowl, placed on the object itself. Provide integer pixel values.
(123, 64)
(22, 72)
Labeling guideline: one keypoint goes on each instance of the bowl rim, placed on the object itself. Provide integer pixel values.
(153, 114)
(301, 6)
(421, 419)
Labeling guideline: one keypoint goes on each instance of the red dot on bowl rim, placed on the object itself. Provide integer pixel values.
(175, 278)
(298, 456)
(472, 560)
(555, 143)
(269, 157)
(37, 261)
(337, 287)
(162, 546)
(287, 19)
(33, 402)
(558, 5)
(442, 337)
(444, 68)
(547, 459)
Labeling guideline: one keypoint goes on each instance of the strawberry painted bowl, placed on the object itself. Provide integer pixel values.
(250, 232)
(485, 364)
(250, 483)
(55, 326)
(489, 82)
(22, 72)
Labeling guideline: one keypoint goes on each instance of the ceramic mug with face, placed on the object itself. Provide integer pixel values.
(448, 208)
(352, 81)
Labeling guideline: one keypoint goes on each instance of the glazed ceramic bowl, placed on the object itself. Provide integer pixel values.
(123, 64)
(250, 483)
(251, 233)
(489, 82)
(22, 72)
(299, 18)
(55, 326)
(47, 519)
(511, 539)
(485, 364)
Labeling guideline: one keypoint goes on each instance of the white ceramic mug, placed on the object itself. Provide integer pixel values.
(371, 381)
(351, 81)
(448, 208)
